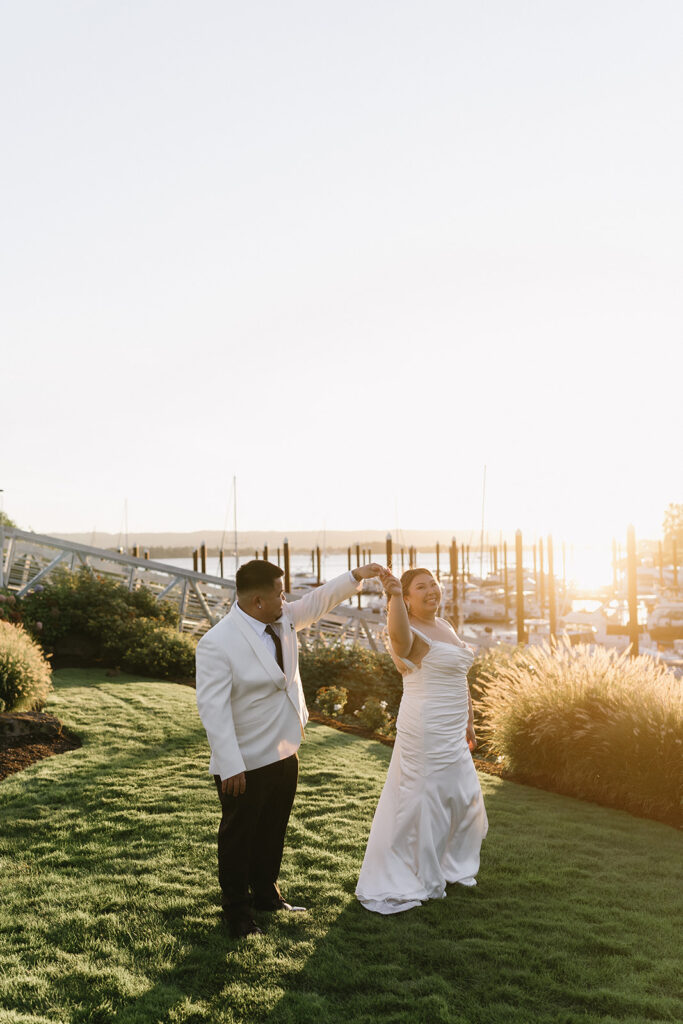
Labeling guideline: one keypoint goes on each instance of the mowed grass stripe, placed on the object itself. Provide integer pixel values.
(109, 898)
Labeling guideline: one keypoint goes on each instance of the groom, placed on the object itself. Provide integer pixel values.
(251, 703)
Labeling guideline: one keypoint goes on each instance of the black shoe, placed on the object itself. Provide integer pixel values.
(281, 905)
(241, 926)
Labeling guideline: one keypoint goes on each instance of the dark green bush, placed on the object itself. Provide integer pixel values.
(363, 673)
(10, 608)
(85, 619)
(156, 650)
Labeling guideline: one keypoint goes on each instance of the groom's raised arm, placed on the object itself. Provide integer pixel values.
(312, 606)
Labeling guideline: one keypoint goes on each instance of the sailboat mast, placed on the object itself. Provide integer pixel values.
(481, 540)
(234, 494)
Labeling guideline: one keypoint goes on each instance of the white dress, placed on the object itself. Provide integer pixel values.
(430, 819)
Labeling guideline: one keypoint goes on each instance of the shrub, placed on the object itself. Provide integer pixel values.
(156, 650)
(373, 715)
(332, 700)
(590, 723)
(87, 619)
(10, 608)
(25, 677)
(488, 662)
(361, 672)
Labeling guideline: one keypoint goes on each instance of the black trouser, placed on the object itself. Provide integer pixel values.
(251, 836)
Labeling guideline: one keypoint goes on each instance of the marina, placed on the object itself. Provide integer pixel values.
(642, 607)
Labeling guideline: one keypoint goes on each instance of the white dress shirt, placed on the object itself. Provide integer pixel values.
(260, 630)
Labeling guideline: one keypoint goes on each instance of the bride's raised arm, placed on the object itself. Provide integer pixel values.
(398, 626)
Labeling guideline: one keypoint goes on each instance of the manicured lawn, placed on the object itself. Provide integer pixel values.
(109, 898)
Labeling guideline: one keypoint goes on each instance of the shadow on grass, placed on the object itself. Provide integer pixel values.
(567, 924)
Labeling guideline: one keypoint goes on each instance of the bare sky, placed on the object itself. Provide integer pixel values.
(350, 252)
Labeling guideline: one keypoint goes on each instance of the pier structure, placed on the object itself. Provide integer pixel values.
(29, 560)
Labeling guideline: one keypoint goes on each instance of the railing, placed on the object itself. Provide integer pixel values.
(28, 560)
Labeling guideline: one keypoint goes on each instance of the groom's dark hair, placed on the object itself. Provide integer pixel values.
(256, 574)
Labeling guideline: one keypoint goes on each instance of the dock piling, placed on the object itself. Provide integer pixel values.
(519, 576)
(285, 548)
(632, 589)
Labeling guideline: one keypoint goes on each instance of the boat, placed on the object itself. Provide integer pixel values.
(665, 622)
(484, 607)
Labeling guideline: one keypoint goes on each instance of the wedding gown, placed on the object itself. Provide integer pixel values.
(430, 819)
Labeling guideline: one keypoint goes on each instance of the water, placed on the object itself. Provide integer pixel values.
(589, 567)
(331, 565)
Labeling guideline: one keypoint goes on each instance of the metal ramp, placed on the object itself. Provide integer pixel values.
(29, 559)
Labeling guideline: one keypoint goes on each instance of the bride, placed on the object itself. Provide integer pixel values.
(430, 819)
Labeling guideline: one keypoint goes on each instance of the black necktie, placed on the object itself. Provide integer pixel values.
(278, 645)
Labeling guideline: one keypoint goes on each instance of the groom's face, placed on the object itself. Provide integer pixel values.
(271, 601)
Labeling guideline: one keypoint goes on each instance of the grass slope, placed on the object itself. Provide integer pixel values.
(108, 893)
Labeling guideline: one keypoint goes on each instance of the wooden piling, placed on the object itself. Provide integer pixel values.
(674, 559)
(202, 555)
(632, 576)
(285, 549)
(317, 565)
(453, 557)
(519, 576)
(389, 555)
(220, 562)
(506, 582)
(278, 558)
(195, 560)
(146, 554)
(265, 552)
(661, 563)
(495, 560)
(552, 608)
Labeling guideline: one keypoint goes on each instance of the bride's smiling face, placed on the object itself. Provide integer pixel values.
(424, 595)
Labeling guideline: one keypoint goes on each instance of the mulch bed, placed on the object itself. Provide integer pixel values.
(27, 737)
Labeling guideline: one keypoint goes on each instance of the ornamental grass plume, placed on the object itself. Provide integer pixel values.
(25, 676)
(590, 723)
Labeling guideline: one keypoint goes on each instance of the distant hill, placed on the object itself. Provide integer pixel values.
(333, 540)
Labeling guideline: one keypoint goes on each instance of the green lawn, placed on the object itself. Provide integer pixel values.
(109, 898)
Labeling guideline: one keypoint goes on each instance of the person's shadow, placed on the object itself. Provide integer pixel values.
(547, 934)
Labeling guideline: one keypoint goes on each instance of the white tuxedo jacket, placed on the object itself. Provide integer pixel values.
(253, 712)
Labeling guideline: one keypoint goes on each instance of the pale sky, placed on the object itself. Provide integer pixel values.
(349, 252)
